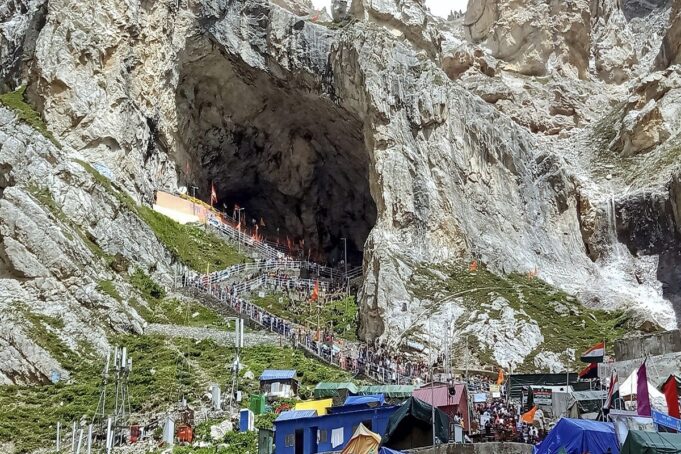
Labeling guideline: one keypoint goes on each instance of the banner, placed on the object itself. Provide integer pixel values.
(494, 388)
(625, 421)
(664, 420)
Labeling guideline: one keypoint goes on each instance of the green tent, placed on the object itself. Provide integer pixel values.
(411, 426)
(325, 390)
(389, 391)
(640, 442)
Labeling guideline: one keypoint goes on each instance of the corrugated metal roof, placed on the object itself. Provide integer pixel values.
(440, 395)
(274, 374)
(295, 414)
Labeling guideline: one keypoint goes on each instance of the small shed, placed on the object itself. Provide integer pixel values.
(276, 384)
(450, 398)
(320, 406)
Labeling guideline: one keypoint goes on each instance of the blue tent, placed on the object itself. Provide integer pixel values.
(577, 436)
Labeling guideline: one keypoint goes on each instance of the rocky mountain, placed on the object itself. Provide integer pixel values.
(537, 138)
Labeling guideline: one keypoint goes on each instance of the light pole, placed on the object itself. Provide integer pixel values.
(239, 240)
(345, 255)
(194, 188)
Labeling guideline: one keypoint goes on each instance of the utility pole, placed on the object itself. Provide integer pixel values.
(432, 379)
(345, 261)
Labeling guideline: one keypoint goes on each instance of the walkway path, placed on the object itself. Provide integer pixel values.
(221, 337)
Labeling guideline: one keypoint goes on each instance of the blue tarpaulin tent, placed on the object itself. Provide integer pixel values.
(369, 400)
(577, 436)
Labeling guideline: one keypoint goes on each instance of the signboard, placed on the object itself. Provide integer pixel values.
(479, 397)
(494, 388)
(667, 421)
(542, 396)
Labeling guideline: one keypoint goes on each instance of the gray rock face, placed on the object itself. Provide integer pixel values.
(356, 131)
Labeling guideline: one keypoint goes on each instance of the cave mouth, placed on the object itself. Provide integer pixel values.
(291, 158)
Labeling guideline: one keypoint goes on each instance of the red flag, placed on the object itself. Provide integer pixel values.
(315, 291)
(671, 394)
(213, 195)
(642, 396)
(590, 371)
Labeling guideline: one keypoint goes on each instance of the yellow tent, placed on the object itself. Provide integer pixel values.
(319, 405)
(363, 441)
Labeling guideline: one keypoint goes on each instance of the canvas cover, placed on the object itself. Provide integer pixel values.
(639, 442)
(414, 409)
(363, 441)
(629, 388)
(389, 391)
(329, 389)
(385, 450)
(577, 436)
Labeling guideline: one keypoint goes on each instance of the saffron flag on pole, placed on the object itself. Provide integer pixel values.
(613, 390)
(528, 416)
(500, 377)
(595, 354)
(671, 395)
(213, 195)
(642, 396)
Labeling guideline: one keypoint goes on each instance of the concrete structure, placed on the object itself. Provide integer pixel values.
(659, 368)
(180, 209)
(302, 432)
(650, 345)
(477, 448)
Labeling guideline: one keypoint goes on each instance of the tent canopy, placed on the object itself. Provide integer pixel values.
(415, 415)
(576, 436)
(329, 389)
(640, 442)
(362, 441)
(628, 389)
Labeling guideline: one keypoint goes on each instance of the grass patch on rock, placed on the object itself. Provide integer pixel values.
(563, 321)
(164, 369)
(342, 314)
(16, 102)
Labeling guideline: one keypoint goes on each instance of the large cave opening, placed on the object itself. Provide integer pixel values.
(293, 159)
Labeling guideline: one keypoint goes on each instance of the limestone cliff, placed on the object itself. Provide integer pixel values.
(535, 137)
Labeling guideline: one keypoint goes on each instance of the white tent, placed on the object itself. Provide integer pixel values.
(628, 393)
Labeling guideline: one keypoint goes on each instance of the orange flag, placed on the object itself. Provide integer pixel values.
(474, 266)
(500, 377)
(528, 417)
(315, 291)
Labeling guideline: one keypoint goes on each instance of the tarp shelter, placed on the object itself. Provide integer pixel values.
(319, 405)
(325, 390)
(411, 426)
(639, 442)
(390, 391)
(628, 390)
(577, 436)
(372, 400)
(384, 450)
(363, 441)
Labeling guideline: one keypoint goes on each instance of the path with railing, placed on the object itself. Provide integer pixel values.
(346, 355)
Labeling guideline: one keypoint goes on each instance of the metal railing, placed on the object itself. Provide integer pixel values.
(344, 357)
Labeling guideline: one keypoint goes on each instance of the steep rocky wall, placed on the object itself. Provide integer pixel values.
(56, 224)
